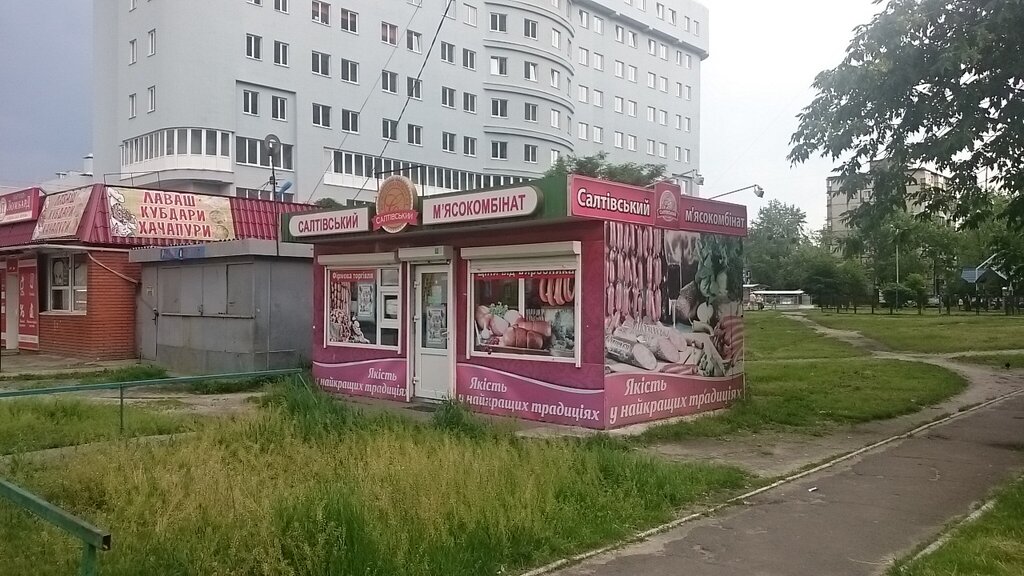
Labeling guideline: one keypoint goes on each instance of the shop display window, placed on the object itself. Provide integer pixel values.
(362, 307)
(531, 314)
(67, 279)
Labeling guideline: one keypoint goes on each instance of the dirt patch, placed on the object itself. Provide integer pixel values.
(199, 404)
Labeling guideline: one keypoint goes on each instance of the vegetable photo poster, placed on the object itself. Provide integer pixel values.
(672, 303)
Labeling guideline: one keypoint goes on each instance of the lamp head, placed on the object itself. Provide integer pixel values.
(758, 191)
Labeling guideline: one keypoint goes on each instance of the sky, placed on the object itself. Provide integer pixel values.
(764, 56)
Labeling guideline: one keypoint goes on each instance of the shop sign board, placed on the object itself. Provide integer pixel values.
(384, 378)
(664, 207)
(169, 215)
(61, 214)
(28, 309)
(475, 206)
(396, 205)
(19, 206)
(330, 223)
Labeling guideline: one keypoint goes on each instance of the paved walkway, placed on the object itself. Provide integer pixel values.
(852, 519)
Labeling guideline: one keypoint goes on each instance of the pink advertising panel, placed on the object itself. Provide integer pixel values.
(386, 379)
(603, 200)
(505, 394)
(643, 396)
(701, 215)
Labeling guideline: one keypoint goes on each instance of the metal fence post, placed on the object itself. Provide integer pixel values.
(120, 429)
(88, 566)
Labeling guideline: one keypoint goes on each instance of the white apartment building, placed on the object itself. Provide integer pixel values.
(839, 204)
(456, 94)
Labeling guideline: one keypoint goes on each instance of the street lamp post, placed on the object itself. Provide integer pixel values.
(758, 191)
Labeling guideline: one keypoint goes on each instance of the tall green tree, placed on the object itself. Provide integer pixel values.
(598, 166)
(774, 236)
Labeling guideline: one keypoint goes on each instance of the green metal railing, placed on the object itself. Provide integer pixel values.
(94, 538)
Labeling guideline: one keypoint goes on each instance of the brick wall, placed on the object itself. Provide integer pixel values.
(107, 330)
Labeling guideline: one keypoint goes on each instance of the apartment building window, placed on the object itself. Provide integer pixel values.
(650, 113)
(598, 135)
(663, 51)
(584, 58)
(499, 150)
(133, 4)
(679, 89)
(322, 12)
(584, 17)
(619, 33)
(415, 134)
(281, 6)
(469, 14)
(499, 22)
(469, 146)
(652, 47)
(652, 79)
(631, 73)
(389, 82)
(688, 92)
(650, 147)
(663, 117)
(678, 154)
(413, 41)
(672, 16)
(530, 112)
(133, 52)
(582, 129)
(662, 83)
(448, 142)
(468, 102)
(554, 156)
(447, 97)
(598, 25)
(584, 93)
(448, 52)
(349, 71)
(152, 42)
(350, 121)
(349, 21)
(679, 57)
(659, 10)
(250, 151)
(278, 107)
(530, 28)
(598, 61)
(556, 79)
(631, 142)
(321, 63)
(499, 66)
(389, 129)
(254, 46)
(687, 123)
(530, 153)
(632, 39)
(618, 104)
(618, 139)
(499, 108)
(686, 155)
(389, 33)
(530, 71)
(619, 68)
(689, 62)
(686, 23)
(414, 88)
(250, 102)
(598, 98)
(280, 53)
(631, 108)
(468, 59)
(151, 94)
(556, 39)
(696, 28)
(321, 115)
(662, 148)
(556, 119)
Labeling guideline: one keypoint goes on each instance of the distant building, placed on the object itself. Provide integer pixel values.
(839, 204)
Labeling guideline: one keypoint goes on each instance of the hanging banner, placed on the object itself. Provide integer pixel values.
(61, 214)
(170, 215)
(28, 305)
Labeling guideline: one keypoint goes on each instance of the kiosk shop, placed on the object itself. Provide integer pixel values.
(571, 300)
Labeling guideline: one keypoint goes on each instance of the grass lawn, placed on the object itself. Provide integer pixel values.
(813, 397)
(307, 485)
(993, 545)
(773, 336)
(932, 333)
(44, 380)
(36, 423)
(1016, 361)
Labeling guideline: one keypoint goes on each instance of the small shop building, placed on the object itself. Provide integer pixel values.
(572, 300)
(69, 287)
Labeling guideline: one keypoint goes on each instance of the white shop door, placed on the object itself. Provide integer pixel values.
(432, 341)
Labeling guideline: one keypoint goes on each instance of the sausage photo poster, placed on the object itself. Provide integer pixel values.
(526, 313)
